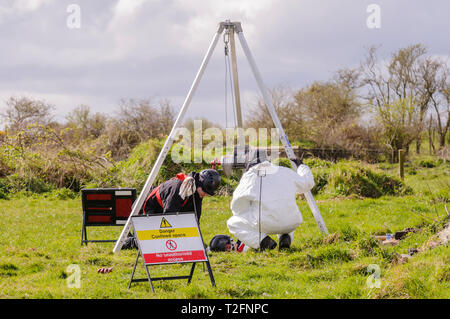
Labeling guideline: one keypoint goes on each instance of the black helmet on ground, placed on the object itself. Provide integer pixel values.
(209, 181)
(220, 242)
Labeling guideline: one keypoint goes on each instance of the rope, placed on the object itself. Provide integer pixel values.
(225, 41)
(226, 88)
(232, 92)
(228, 78)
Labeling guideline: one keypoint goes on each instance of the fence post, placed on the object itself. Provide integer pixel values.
(401, 161)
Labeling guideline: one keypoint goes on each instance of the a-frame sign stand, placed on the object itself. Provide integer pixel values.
(177, 239)
(236, 28)
(150, 279)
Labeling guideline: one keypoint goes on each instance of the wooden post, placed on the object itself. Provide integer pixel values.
(401, 160)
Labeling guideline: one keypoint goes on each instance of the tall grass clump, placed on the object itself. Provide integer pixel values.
(347, 178)
(354, 179)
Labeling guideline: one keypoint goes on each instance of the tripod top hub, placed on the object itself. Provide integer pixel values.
(227, 24)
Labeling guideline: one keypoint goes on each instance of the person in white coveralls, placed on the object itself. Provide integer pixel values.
(264, 203)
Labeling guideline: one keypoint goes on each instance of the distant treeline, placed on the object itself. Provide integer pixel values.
(369, 113)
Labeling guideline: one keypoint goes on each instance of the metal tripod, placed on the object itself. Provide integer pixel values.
(233, 28)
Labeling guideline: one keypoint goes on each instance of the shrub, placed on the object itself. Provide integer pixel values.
(35, 184)
(8, 270)
(321, 181)
(427, 163)
(282, 161)
(349, 233)
(63, 193)
(4, 188)
(350, 178)
(317, 163)
(38, 159)
(134, 171)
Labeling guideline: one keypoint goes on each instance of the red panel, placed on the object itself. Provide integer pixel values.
(99, 219)
(98, 196)
(123, 207)
(181, 256)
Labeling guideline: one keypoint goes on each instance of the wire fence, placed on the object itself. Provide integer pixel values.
(334, 154)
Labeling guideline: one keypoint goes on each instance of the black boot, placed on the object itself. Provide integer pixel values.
(285, 242)
(267, 243)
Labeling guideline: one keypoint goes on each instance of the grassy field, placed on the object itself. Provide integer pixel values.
(40, 240)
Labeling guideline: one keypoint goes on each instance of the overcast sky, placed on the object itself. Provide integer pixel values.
(153, 48)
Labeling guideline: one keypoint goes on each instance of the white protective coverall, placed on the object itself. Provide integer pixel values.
(279, 210)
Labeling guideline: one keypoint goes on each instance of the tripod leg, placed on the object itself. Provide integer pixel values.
(168, 143)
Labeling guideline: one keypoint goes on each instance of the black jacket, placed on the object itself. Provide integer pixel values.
(172, 202)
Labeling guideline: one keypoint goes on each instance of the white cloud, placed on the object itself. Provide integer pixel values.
(204, 17)
(124, 12)
(29, 5)
(139, 48)
(127, 7)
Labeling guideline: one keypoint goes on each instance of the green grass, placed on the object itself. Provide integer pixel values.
(40, 239)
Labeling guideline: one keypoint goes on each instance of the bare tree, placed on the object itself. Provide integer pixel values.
(138, 117)
(87, 123)
(287, 111)
(21, 111)
(166, 117)
(431, 95)
(441, 104)
(397, 93)
(144, 119)
(136, 121)
(328, 107)
(431, 130)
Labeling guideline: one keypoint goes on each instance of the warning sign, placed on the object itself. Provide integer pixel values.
(169, 238)
(164, 223)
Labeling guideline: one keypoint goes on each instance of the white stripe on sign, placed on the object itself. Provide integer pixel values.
(123, 193)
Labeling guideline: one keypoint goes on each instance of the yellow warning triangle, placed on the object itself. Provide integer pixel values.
(164, 223)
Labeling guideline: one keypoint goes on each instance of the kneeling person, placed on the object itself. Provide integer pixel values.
(270, 208)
